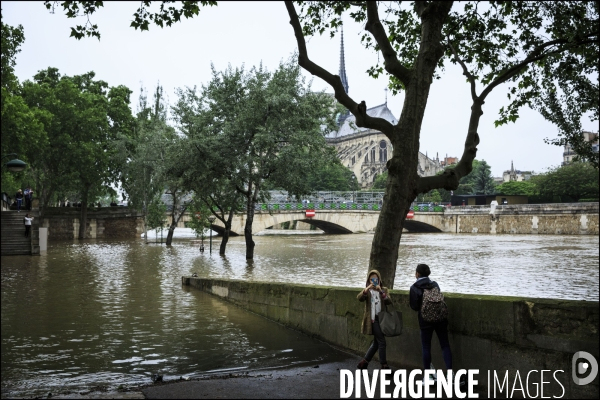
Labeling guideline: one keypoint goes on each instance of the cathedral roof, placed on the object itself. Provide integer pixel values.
(348, 126)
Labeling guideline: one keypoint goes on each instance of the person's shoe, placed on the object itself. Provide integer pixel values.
(363, 364)
(386, 366)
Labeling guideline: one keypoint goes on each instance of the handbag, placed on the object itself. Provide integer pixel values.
(390, 322)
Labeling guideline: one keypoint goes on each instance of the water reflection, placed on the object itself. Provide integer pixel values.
(113, 312)
(110, 313)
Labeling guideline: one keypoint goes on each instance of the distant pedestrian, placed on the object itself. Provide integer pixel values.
(375, 296)
(30, 199)
(28, 195)
(19, 198)
(27, 221)
(427, 300)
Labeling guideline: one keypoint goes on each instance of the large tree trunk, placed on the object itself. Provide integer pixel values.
(402, 183)
(398, 197)
(226, 233)
(83, 217)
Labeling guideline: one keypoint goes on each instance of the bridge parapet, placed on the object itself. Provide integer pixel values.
(527, 209)
(347, 206)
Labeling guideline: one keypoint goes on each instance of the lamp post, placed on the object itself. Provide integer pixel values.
(14, 165)
(353, 188)
(211, 219)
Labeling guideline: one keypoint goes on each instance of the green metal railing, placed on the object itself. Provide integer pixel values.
(335, 206)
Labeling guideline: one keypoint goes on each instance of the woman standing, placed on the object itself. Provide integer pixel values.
(27, 220)
(375, 296)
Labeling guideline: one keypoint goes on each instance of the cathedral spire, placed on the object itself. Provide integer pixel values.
(343, 65)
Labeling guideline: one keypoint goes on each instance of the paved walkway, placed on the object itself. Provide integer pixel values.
(307, 382)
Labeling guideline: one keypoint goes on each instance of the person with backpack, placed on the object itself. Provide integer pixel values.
(427, 299)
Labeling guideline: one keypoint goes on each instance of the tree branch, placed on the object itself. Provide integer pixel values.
(391, 62)
(535, 55)
(465, 70)
(358, 110)
(450, 178)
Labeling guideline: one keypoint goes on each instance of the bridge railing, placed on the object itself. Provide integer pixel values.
(316, 206)
(346, 206)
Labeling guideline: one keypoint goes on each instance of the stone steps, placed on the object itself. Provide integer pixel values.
(13, 240)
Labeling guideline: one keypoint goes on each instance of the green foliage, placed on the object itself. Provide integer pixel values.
(199, 221)
(433, 196)
(479, 181)
(12, 39)
(334, 176)
(547, 52)
(569, 183)
(21, 127)
(522, 188)
(142, 18)
(256, 129)
(483, 182)
(380, 181)
(82, 117)
(143, 153)
(156, 214)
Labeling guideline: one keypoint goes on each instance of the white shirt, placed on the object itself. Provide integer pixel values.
(28, 221)
(375, 303)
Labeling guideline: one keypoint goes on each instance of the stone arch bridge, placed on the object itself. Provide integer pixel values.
(329, 221)
(552, 219)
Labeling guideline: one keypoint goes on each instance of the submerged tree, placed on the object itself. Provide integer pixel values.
(253, 130)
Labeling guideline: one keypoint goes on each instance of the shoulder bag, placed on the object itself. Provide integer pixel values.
(390, 321)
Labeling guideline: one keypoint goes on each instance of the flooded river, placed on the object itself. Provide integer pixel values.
(110, 313)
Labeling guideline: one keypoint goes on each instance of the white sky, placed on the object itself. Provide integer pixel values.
(247, 33)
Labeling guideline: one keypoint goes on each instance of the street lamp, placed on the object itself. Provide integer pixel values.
(14, 165)
(353, 188)
(211, 219)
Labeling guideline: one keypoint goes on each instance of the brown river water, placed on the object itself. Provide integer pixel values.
(109, 313)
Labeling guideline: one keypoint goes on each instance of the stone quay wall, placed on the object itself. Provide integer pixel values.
(548, 219)
(508, 335)
(108, 222)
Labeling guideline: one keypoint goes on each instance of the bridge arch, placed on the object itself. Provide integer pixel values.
(332, 221)
(419, 227)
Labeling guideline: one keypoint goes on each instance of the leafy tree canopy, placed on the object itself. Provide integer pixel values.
(532, 48)
(574, 181)
(521, 188)
(334, 176)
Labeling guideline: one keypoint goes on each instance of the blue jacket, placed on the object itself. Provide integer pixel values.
(416, 298)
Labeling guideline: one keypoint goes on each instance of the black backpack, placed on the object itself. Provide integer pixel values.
(433, 307)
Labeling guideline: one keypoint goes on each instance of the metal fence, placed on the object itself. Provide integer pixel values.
(347, 206)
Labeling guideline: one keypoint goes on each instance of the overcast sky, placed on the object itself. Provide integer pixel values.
(249, 33)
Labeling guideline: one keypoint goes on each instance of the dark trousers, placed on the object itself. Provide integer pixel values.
(19, 202)
(377, 344)
(441, 329)
(27, 230)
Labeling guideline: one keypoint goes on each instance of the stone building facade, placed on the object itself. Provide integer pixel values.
(366, 151)
(515, 175)
(569, 154)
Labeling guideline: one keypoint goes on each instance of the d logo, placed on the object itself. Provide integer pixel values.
(582, 367)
